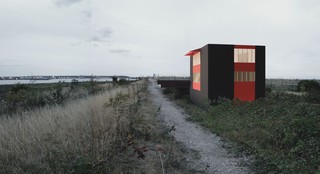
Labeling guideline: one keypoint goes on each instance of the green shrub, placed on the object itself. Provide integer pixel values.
(308, 85)
(16, 98)
(93, 86)
(74, 83)
(176, 93)
(123, 81)
(314, 96)
(268, 90)
(282, 131)
(21, 97)
(114, 79)
(57, 94)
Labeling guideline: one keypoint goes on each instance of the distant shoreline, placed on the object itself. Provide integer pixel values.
(56, 80)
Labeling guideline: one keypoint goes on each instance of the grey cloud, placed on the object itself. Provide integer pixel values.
(105, 32)
(76, 43)
(87, 13)
(119, 51)
(102, 35)
(9, 65)
(61, 3)
(97, 39)
(7, 62)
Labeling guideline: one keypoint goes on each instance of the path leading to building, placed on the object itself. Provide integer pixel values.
(213, 157)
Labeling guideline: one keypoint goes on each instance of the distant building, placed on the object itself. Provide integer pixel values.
(227, 71)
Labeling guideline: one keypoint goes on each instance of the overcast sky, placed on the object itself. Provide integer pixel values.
(142, 37)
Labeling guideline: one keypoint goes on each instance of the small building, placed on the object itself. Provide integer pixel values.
(227, 71)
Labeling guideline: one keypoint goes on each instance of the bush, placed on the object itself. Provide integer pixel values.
(123, 81)
(268, 90)
(308, 85)
(17, 97)
(74, 83)
(21, 97)
(92, 86)
(114, 79)
(176, 93)
(281, 130)
(312, 88)
(314, 96)
(58, 96)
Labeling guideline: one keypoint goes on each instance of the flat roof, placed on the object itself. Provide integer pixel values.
(195, 51)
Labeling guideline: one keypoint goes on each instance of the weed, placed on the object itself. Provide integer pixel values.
(308, 85)
(74, 83)
(282, 131)
(69, 138)
(114, 131)
(20, 97)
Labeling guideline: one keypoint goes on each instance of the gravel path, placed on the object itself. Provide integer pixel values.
(213, 157)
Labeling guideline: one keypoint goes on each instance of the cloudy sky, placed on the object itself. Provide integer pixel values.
(142, 37)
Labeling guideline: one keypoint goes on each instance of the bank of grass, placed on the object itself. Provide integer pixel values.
(20, 97)
(65, 138)
(113, 131)
(281, 131)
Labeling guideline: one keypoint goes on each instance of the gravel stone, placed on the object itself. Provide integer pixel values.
(213, 157)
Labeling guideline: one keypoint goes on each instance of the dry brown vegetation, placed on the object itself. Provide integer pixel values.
(115, 131)
(61, 138)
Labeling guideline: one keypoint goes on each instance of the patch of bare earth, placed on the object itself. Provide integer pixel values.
(212, 156)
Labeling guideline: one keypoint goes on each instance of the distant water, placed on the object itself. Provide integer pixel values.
(12, 82)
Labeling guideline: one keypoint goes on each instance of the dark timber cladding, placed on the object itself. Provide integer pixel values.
(227, 71)
(260, 71)
(221, 70)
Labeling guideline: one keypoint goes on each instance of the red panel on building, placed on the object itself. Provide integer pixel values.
(245, 67)
(196, 68)
(244, 91)
(196, 86)
(245, 46)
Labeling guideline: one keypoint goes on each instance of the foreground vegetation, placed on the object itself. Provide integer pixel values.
(281, 131)
(62, 138)
(20, 97)
(115, 130)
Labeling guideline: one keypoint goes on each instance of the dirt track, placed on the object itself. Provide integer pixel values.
(213, 157)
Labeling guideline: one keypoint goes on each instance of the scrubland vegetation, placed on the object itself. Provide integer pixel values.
(63, 138)
(20, 97)
(280, 131)
(114, 130)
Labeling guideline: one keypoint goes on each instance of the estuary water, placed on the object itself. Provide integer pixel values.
(12, 82)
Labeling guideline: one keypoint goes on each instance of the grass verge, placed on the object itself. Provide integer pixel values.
(115, 131)
(21, 97)
(281, 131)
(69, 138)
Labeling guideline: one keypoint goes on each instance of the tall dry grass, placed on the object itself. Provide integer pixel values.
(67, 139)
